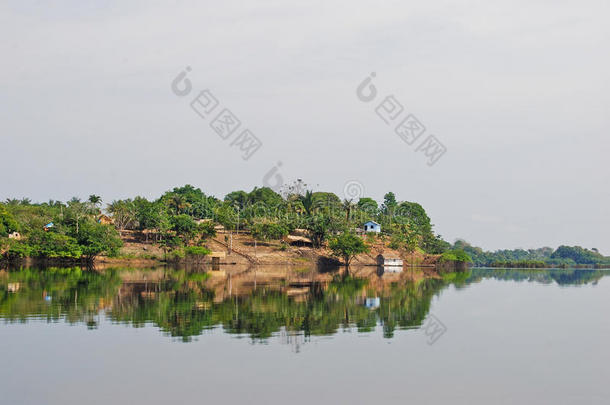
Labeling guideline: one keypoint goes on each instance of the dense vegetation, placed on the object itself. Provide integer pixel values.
(55, 230)
(186, 217)
(563, 256)
(347, 246)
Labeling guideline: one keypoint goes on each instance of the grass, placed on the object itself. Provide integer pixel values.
(128, 256)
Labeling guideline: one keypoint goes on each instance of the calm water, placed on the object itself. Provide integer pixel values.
(69, 336)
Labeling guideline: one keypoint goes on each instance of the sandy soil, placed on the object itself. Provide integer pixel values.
(138, 251)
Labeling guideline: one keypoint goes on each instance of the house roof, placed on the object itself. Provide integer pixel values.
(297, 238)
(371, 222)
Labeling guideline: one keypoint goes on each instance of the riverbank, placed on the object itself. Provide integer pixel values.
(241, 249)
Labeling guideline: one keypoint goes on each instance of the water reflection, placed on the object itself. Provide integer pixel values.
(294, 304)
(562, 277)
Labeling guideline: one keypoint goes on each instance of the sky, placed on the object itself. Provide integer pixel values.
(516, 95)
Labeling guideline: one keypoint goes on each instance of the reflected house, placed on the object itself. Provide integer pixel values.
(185, 305)
(390, 262)
(392, 269)
(13, 287)
(216, 256)
(372, 303)
(372, 226)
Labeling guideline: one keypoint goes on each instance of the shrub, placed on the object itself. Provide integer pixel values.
(347, 246)
(54, 245)
(17, 249)
(196, 251)
(456, 255)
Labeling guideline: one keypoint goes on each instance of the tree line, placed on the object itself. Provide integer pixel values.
(185, 217)
(563, 256)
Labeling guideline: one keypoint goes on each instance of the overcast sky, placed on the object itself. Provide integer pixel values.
(518, 92)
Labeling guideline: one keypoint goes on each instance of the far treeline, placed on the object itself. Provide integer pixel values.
(562, 257)
(183, 219)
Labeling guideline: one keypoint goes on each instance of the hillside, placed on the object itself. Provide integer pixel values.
(138, 249)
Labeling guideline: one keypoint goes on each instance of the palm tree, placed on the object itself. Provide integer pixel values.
(307, 201)
(347, 206)
(77, 209)
(95, 200)
(178, 203)
(123, 213)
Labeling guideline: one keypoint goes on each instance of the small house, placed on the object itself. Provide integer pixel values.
(298, 240)
(13, 287)
(391, 269)
(14, 235)
(372, 303)
(389, 260)
(105, 220)
(372, 226)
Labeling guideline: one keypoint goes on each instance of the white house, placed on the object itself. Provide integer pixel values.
(389, 260)
(14, 235)
(372, 226)
(372, 303)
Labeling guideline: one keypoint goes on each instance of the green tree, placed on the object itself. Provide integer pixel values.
(238, 199)
(54, 245)
(307, 201)
(226, 216)
(578, 255)
(207, 230)
(319, 226)
(189, 200)
(389, 203)
(347, 205)
(15, 249)
(326, 203)
(95, 201)
(435, 244)
(367, 205)
(184, 226)
(456, 255)
(415, 215)
(8, 224)
(96, 239)
(346, 246)
(196, 253)
(178, 204)
(169, 242)
(266, 196)
(76, 212)
(269, 230)
(123, 213)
